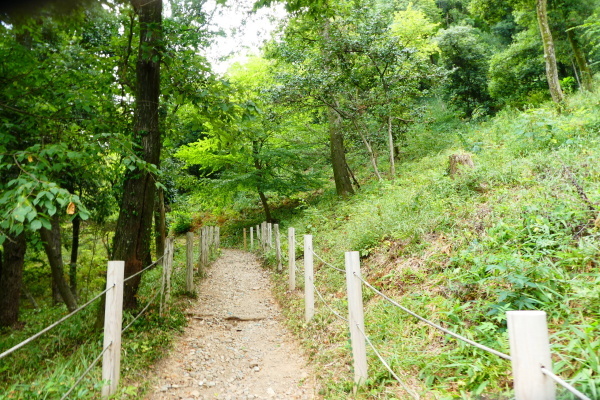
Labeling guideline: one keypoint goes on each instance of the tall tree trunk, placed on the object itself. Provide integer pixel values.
(52, 245)
(160, 225)
(134, 225)
(265, 204)
(11, 278)
(392, 147)
(584, 67)
(372, 155)
(549, 54)
(74, 254)
(259, 188)
(343, 185)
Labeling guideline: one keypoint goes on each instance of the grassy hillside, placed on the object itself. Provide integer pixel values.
(520, 230)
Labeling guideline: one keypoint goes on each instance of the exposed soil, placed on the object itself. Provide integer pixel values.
(235, 346)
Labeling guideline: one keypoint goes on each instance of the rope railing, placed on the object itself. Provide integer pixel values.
(143, 270)
(328, 306)
(328, 264)
(87, 371)
(141, 312)
(527, 330)
(564, 384)
(433, 324)
(387, 366)
(49, 327)
(113, 314)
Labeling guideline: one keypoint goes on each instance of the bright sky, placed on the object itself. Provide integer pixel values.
(246, 32)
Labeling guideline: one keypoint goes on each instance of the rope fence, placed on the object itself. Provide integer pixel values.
(528, 333)
(209, 240)
(54, 325)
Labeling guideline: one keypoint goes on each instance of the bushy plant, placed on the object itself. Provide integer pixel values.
(467, 56)
(180, 222)
(516, 75)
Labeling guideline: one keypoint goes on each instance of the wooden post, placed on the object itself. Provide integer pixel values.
(292, 257)
(163, 280)
(309, 289)
(211, 241)
(264, 235)
(356, 316)
(218, 237)
(189, 277)
(278, 247)
(529, 351)
(113, 321)
(245, 244)
(204, 247)
(251, 238)
(258, 234)
(270, 229)
(168, 267)
(200, 250)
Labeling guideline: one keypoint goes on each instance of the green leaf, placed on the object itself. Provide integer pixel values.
(35, 225)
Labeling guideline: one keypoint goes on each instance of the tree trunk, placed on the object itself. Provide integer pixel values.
(52, 245)
(549, 54)
(74, 253)
(11, 278)
(372, 155)
(584, 68)
(160, 225)
(343, 185)
(265, 204)
(134, 225)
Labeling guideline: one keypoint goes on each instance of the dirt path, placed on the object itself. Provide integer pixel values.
(235, 346)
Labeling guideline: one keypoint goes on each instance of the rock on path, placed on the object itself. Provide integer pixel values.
(235, 346)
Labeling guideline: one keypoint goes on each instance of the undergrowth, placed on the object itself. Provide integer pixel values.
(519, 231)
(47, 367)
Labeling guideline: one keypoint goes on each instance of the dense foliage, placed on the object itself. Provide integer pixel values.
(115, 127)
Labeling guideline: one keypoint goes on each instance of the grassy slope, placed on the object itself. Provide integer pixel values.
(516, 232)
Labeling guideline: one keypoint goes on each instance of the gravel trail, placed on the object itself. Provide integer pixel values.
(235, 346)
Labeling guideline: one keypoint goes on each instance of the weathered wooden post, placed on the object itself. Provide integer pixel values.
(168, 266)
(356, 316)
(529, 352)
(251, 238)
(277, 246)
(218, 237)
(113, 321)
(245, 245)
(309, 289)
(264, 236)
(270, 239)
(189, 277)
(200, 250)
(292, 258)
(204, 247)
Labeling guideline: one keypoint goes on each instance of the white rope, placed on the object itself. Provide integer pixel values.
(387, 366)
(564, 384)
(456, 335)
(141, 312)
(148, 267)
(328, 264)
(63, 319)
(327, 305)
(86, 371)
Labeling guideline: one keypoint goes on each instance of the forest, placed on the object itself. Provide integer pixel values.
(117, 131)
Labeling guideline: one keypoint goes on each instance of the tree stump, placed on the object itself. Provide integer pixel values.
(456, 160)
